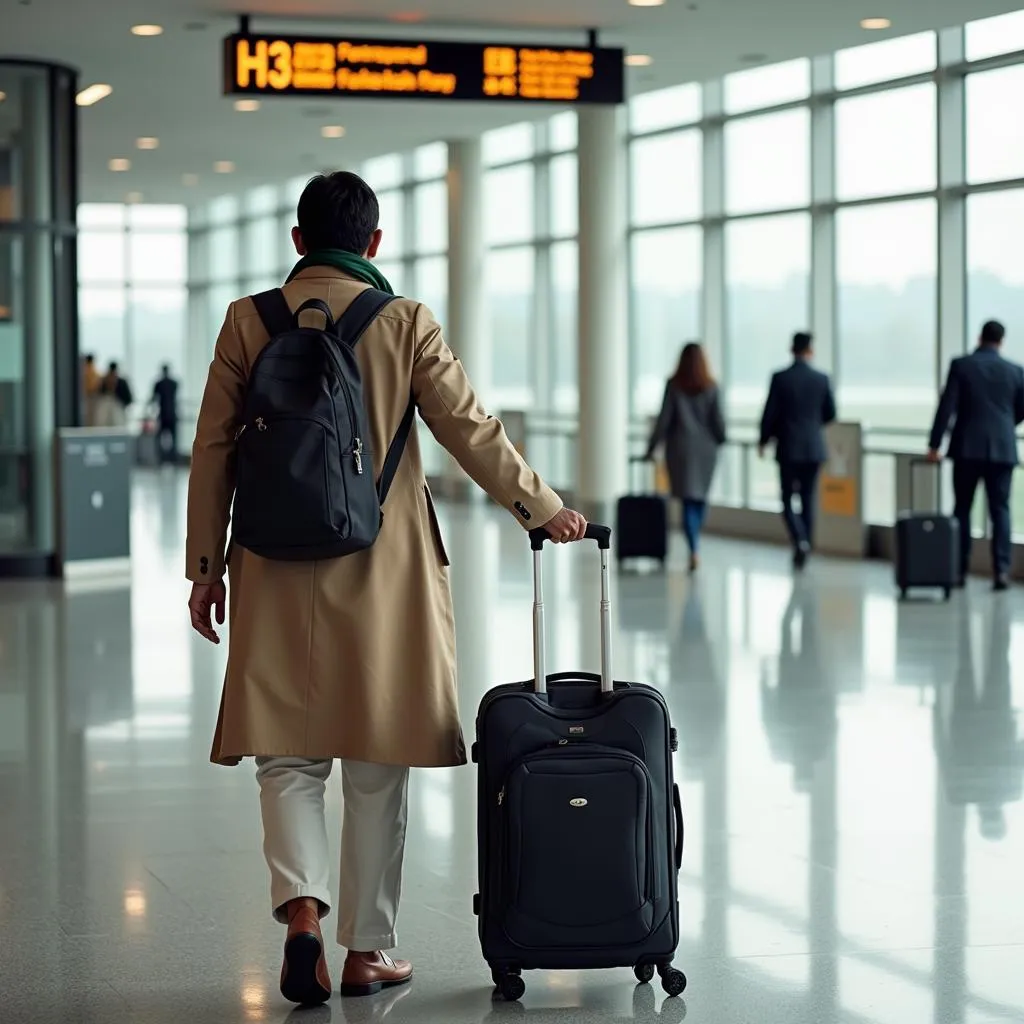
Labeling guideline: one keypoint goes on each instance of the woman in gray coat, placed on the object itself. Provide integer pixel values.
(692, 428)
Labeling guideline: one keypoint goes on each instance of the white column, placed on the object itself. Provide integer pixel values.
(714, 326)
(823, 220)
(602, 449)
(466, 327)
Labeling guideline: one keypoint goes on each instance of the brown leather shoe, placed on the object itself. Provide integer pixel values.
(367, 973)
(304, 975)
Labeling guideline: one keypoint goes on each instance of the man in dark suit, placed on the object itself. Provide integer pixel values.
(799, 405)
(984, 397)
(165, 395)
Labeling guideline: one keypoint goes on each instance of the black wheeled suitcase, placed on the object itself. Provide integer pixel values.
(927, 547)
(580, 824)
(641, 525)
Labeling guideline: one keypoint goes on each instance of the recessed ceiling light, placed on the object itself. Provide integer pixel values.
(874, 24)
(93, 94)
(646, 3)
(147, 30)
(120, 163)
(189, 180)
(332, 131)
(3, 96)
(407, 17)
(133, 197)
(247, 106)
(639, 60)
(147, 142)
(224, 167)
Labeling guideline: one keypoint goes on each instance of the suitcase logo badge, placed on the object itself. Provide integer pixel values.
(578, 801)
(576, 730)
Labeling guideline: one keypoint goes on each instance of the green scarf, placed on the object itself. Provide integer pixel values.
(348, 263)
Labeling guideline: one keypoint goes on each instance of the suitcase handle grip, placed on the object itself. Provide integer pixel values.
(602, 534)
(677, 806)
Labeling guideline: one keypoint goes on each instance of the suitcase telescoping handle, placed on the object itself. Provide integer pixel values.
(917, 463)
(603, 536)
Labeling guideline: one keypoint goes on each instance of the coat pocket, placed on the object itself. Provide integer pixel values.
(435, 527)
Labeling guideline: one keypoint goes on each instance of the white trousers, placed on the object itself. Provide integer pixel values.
(372, 843)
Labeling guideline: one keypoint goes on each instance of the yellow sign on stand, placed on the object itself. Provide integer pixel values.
(839, 496)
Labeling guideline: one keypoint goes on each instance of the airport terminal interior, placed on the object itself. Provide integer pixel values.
(575, 190)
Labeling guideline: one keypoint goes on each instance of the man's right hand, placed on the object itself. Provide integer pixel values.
(934, 455)
(566, 526)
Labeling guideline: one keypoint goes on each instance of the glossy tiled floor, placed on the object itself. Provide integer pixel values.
(851, 772)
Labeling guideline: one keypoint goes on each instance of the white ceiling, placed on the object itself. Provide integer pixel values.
(170, 86)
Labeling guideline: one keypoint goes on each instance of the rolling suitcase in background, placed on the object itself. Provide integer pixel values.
(641, 524)
(927, 546)
(580, 825)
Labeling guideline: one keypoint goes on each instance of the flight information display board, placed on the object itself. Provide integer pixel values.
(276, 65)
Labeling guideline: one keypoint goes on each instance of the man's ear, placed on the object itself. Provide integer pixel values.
(374, 245)
(300, 245)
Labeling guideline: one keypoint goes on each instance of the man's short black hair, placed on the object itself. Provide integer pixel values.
(802, 343)
(992, 333)
(338, 211)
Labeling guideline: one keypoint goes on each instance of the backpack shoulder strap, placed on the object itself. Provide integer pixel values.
(362, 311)
(395, 450)
(274, 311)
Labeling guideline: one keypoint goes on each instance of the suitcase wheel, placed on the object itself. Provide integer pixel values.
(644, 973)
(510, 984)
(672, 981)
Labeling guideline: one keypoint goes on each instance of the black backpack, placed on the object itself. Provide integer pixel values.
(304, 486)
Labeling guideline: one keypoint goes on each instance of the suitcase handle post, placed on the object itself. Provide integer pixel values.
(603, 536)
(916, 463)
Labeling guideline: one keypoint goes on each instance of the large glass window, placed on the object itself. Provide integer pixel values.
(767, 271)
(888, 59)
(994, 36)
(665, 108)
(995, 128)
(504, 145)
(564, 340)
(509, 275)
(431, 204)
(392, 223)
(508, 204)
(885, 143)
(666, 178)
(768, 86)
(885, 266)
(995, 270)
(667, 271)
(768, 162)
(432, 285)
(564, 195)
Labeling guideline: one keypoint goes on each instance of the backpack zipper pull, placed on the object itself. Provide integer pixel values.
(357, 454)
(240, 431)
(501, 796)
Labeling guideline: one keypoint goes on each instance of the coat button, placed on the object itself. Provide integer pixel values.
(204, 566)
(522, 510)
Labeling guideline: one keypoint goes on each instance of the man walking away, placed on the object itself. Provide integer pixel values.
(800, 404)
(165, 395)
(984, 398)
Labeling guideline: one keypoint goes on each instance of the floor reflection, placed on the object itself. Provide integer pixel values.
(852, 772)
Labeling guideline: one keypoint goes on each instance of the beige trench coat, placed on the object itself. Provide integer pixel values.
(352, 657)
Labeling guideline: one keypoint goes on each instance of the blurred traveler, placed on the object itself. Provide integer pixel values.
(984, 399)
(90, 390)
(692, 428)
(800, 404)
(114, 399)
(165, 397)
(353, 657)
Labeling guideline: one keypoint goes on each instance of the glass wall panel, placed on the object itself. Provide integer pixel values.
(563, 130)
(994, 36)
(430, 161)
(665, 179)
(995, 127)
(509, 276)
(885, 143)
(392, 223)
(564, 195)
(431, 205)
(504, 145)
(432, 285)
(768, 162)
(767, 272)
(508, 204)
(102, 256)
(157, 257)
(667, 272)
(995, 270)
(564, 340)
(769, 86)
(886, 266)
(888, 59)
(262, 245)
(665, 108)
(157, 322)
